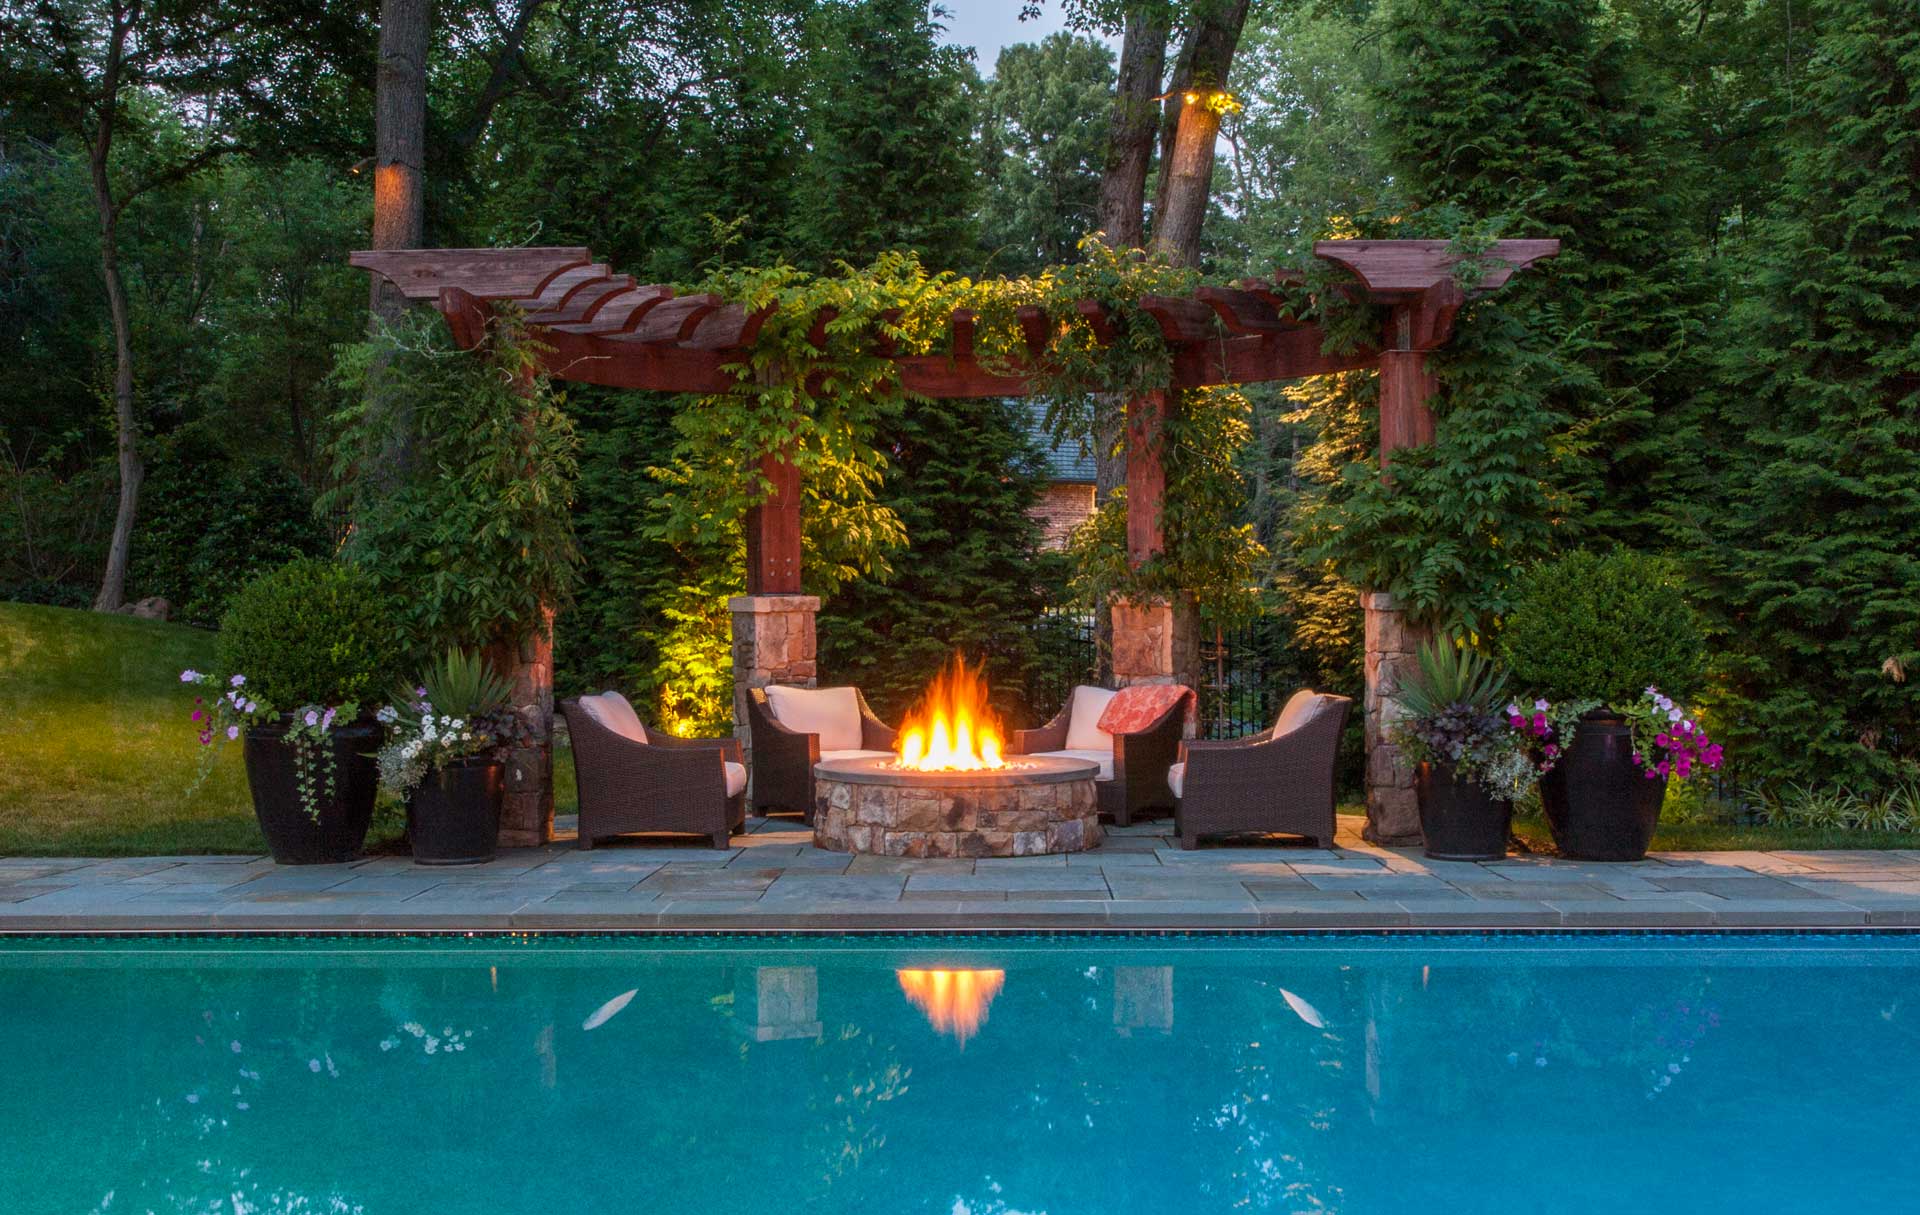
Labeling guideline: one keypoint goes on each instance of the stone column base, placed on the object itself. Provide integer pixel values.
(1393, 645)
(1154, 641)
(773, 642)
(526, 811)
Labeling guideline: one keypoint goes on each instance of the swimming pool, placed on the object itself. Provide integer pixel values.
(959, 1076)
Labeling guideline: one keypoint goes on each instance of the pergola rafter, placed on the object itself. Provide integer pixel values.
(601, 327)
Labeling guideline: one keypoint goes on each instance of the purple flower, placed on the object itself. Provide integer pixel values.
(233, 732)
(198, 715)
(1540, 724)
(326, 722)
(238, 681)
(1541, 705)
(189, 676)
(1674, 715)
(313, 718)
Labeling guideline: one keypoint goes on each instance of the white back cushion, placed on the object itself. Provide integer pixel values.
(1083, 723)
(611, 711)
(1300, 707)
(832, 713)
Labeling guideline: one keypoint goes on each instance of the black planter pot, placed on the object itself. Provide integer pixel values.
(1459, 819)
(453, 815)
(273, 776)
(1600, 803)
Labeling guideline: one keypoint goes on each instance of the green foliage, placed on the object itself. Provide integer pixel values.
(311, 632)
(471, 533)
(961, 476)
(886, 164)
(460, 683)
(1042, 142)
(1548, 113)
(1815, 558)
(211, 524)
(1452, 674)
(1603, 627)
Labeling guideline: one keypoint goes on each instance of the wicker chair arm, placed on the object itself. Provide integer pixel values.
(1188, 745)
(729, 747)
(1261, 754)
(772, 738)
(1050, 737)
(875, 735)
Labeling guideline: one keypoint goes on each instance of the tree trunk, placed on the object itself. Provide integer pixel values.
(1186, 171)
(1123, 180)
(399, 141)
(113, 583)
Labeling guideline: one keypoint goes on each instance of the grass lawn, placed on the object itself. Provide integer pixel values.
(96, 752)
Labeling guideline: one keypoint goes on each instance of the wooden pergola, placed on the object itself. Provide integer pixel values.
(602, 327)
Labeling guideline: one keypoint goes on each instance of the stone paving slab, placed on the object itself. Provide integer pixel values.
(773, 879)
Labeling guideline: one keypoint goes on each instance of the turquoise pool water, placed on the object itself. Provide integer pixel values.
(960, 1076)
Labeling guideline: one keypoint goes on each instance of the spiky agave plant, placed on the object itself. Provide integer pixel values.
(1451, 677)
(461, 685)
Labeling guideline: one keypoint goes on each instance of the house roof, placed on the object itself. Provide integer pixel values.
(1069, 462)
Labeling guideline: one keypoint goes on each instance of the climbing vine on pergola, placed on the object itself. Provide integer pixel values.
(790, 366)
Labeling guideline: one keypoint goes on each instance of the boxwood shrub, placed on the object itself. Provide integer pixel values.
(312, 631)
(1602, 626)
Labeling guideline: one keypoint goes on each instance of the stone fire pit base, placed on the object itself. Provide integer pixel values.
(1039, 806)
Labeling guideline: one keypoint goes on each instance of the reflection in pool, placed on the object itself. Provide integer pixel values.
(1358, 1074)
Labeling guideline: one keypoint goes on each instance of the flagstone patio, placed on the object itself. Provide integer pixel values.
(774, 879)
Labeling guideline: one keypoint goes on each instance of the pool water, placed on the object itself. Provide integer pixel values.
(960, 1076)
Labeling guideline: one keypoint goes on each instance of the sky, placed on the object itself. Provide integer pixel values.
(988, 25)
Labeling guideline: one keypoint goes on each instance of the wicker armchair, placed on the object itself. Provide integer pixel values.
(1277, 781)
(661, 784)
(1140, 761)
(783, 758)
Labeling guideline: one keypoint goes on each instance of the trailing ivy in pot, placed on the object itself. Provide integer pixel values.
(300, 647)
(445, 754)
(1597, 637)
(1471, 762)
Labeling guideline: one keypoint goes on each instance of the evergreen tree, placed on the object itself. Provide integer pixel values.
(887, 117)
(962, 475)
(1539, 111)
(1818, 560)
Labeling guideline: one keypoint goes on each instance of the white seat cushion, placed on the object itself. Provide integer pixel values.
(1103, 758)
(1177, 779)
(1299, 709)
(736, 779)
(831, 713)
(856, 754)
(1083, 723)
(610, 711)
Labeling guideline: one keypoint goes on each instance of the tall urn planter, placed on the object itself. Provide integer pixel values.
(453, 814)
(1600, 804)
(339, 830)
(1459, 819)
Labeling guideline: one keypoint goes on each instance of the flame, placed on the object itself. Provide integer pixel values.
(954, 1001)
(953, 728)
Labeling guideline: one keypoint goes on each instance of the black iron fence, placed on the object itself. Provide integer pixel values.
(1237, 695)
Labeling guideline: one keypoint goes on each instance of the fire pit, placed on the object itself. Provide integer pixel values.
(950, 791)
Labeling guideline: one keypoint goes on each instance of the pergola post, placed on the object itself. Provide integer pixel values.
(1393, 640)
(526, 810)
(773, 623)
(1154, 640)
